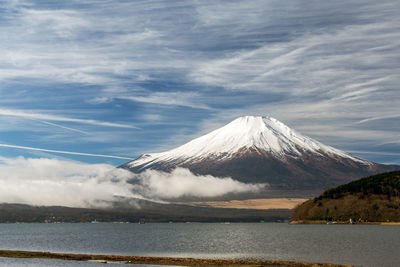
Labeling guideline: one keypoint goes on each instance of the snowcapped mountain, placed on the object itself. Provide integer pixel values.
(262, 149)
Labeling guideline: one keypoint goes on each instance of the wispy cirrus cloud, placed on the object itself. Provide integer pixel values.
(182, 99)
(389, 116)
(41, 116)
(306, 63)
(64, 152)
(64, 127)
(313, 63)
(74, 45)
(185, 99)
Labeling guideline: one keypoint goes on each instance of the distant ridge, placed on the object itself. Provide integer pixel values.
(129, 212)
(263, 150)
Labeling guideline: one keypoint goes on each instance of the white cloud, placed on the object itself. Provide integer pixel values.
(44, 181)
(181, 182)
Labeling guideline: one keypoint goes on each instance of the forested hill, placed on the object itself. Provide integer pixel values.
(373, 198)
(381, 184)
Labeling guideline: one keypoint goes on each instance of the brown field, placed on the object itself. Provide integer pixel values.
(157, 260)
(255, 204)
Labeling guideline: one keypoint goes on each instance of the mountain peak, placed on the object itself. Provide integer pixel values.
(262, 149)
(257, 125)
(252, 121)
(262, 134)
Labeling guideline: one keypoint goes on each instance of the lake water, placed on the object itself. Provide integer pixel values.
(360, 245)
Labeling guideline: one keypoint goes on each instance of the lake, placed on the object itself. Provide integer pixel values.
(360, 245)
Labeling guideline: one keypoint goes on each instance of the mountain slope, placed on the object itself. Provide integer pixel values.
(262, 149)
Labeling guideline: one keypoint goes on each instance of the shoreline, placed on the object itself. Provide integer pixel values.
(342, 222)
(158, 260)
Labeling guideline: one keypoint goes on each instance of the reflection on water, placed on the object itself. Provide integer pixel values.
(365, 245)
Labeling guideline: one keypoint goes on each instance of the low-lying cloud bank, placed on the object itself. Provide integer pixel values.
(181, 182)
(44, 181)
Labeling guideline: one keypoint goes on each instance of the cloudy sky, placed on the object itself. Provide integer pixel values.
(121, 78)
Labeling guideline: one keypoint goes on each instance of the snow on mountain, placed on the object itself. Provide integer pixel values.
(254, 149)
(263, 134)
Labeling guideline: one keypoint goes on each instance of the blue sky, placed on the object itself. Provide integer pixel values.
(124, 78)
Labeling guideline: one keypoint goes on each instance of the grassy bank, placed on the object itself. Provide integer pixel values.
(157, 260)
(341, 222)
